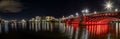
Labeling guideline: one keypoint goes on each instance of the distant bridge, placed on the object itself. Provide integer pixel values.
(97, 24)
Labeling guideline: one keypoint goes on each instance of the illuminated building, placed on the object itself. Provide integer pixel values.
(37, 23)
(13, 25)
(23, 23)
(33, 23)
(48, 19)
(38, 18)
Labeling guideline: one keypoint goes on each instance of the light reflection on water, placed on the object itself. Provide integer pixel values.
(88, 32)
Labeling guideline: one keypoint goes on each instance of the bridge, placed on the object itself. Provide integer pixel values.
(97, 25)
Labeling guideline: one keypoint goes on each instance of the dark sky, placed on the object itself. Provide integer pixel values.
(55, 8)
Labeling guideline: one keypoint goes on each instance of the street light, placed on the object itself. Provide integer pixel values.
(95, 12)
(109, 6)
(71, 16)
(77, 14)
(85, 11)
(116, 10)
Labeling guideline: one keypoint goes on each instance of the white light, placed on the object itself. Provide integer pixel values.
(71, 16)
(85, 11)
(108, 5)
(77, 14)
(116, 10)
(95, 12)
(23, 20)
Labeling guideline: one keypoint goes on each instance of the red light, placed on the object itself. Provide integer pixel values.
(97, 29)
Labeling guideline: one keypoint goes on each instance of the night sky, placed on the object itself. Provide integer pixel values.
(57, 8)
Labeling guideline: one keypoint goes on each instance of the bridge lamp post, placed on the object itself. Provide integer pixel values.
(71, 16)
(95, 12)
(85, 11)
(77, 14)
(108, 6)
(116, 10)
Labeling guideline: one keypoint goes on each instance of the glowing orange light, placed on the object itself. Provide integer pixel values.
(98, 29)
